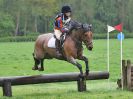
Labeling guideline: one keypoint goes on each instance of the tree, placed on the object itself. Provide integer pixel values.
(43, 8)
(6, 24)
(38, 15)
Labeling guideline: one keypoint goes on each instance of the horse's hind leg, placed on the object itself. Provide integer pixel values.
(41, 68)
(37, 62)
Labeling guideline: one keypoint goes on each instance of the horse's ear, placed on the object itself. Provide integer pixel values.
(85, 26)
(90, 25)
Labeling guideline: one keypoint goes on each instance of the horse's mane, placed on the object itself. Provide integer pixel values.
(74, 25)
(77, 29)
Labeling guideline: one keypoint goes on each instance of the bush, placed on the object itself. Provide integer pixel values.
(33, 38)
(111, 35)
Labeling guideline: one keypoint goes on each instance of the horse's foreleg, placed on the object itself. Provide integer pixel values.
(74, 62)
(85, 59)
(41, 68)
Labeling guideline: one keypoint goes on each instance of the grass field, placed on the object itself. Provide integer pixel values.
(16, 59)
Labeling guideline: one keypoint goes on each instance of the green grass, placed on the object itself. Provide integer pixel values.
(16, 59)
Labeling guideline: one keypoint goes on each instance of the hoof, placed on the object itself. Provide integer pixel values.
(119, 83)
(40, 69)
(34, 68)
(81, 76)
(87, 72)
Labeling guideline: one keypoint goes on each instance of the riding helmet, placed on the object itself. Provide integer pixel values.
(66, 9)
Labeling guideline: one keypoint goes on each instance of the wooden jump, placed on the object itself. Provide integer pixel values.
(127, 75)
(7, 82)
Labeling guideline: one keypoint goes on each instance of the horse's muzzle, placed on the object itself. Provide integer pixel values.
(90, 48)
(89, 45)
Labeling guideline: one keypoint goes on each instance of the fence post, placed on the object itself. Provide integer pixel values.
(81, 84)
(124, 74)
(7, 90)
(129, 74)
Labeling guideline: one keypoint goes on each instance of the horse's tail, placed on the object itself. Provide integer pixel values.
(33, 54)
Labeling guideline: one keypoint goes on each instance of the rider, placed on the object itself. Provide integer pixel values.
(59, 28)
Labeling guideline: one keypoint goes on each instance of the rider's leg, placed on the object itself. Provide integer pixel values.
(57, 47)
(58, 34)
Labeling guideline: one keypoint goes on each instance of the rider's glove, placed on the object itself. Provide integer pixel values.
(65, 30)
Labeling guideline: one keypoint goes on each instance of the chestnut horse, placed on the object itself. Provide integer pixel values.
(72, 47)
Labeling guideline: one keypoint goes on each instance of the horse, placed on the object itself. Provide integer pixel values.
(72, 47)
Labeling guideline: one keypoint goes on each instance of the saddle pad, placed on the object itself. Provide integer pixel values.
(51, 42)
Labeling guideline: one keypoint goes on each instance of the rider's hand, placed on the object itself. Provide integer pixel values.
(65, 30)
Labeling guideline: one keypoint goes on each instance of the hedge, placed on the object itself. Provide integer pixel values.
(33, 38)
(18, 39)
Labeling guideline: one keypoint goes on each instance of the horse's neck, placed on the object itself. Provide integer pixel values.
(77, 35)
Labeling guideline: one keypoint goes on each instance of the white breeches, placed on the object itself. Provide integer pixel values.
(57, 33)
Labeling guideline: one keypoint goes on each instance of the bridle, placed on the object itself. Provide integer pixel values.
(85, 27)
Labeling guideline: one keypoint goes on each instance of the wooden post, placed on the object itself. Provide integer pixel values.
(7, 91)
(124, 74)
(129, 74)
(81, 83)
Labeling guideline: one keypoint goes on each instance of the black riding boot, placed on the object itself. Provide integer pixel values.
(58, 49)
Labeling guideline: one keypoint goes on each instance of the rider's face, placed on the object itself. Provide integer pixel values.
(68, 14)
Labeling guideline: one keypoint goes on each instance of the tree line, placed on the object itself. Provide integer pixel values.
(27, 17)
